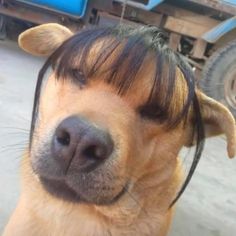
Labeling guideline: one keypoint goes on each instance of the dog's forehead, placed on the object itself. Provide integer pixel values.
(139, 88)
(106, 51)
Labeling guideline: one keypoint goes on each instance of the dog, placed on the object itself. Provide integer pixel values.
(113, 108)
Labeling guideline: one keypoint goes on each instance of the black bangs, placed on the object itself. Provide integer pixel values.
(129, 48)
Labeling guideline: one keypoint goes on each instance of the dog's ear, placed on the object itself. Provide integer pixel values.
(217, 120)
(43, 40)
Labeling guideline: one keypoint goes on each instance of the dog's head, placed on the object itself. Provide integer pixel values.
(115, 110)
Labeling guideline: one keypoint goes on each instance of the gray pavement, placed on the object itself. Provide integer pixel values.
(208, 207)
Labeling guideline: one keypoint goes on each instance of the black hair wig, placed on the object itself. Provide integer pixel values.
(69, 61)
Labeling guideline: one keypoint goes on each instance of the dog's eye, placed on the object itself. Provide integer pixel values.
(153, 112)
(77, 75)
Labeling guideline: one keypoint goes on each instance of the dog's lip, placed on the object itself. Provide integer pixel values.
(120, 194)
(60, 189)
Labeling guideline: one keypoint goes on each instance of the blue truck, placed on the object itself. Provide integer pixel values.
(204, 31)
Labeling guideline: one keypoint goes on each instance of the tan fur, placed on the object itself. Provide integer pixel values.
(44, 39)
(148, 157)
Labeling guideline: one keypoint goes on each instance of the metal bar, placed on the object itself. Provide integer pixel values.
(220, 30)
(26, 4)
(38, 17)
(217, 5)
(29, 15)
(148, 7)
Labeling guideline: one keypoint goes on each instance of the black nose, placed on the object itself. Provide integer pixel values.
(80, 145)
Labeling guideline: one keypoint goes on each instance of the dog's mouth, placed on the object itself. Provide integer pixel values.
(61, 190)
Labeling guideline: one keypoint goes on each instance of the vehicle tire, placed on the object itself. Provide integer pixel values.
(3, 33)
(219, 76)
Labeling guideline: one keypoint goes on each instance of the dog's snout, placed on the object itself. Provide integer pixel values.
(79, 142)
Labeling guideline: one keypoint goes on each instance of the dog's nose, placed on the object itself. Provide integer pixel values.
(79, 142)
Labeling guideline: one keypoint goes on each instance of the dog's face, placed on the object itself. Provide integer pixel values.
(82, 149)
(93, 144)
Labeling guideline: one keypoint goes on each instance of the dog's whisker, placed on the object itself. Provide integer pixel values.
(14, 128)
(12, 145)
(142, 208)
(15, 150)
(16, 134)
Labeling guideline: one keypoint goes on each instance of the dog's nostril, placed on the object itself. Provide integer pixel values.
(63, 137)
(77, 142)
(94, 152)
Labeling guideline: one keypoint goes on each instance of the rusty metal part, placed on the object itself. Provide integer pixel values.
(230, 87)
(217, 5)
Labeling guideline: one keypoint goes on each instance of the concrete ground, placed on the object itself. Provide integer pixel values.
(207, 208)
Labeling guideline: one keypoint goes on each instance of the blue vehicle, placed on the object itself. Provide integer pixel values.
(204, 31)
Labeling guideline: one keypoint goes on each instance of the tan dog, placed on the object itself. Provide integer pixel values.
(107, 128)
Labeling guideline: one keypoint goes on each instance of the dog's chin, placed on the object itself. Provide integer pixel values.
(60, 189)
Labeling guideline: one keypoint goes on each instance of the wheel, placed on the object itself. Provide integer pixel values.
(219, 76)
(3, 33)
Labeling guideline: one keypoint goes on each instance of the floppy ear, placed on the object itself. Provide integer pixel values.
(43, 40)
(217, 120)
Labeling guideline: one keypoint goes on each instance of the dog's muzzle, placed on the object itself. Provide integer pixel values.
(79, 163)
(77, 141)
